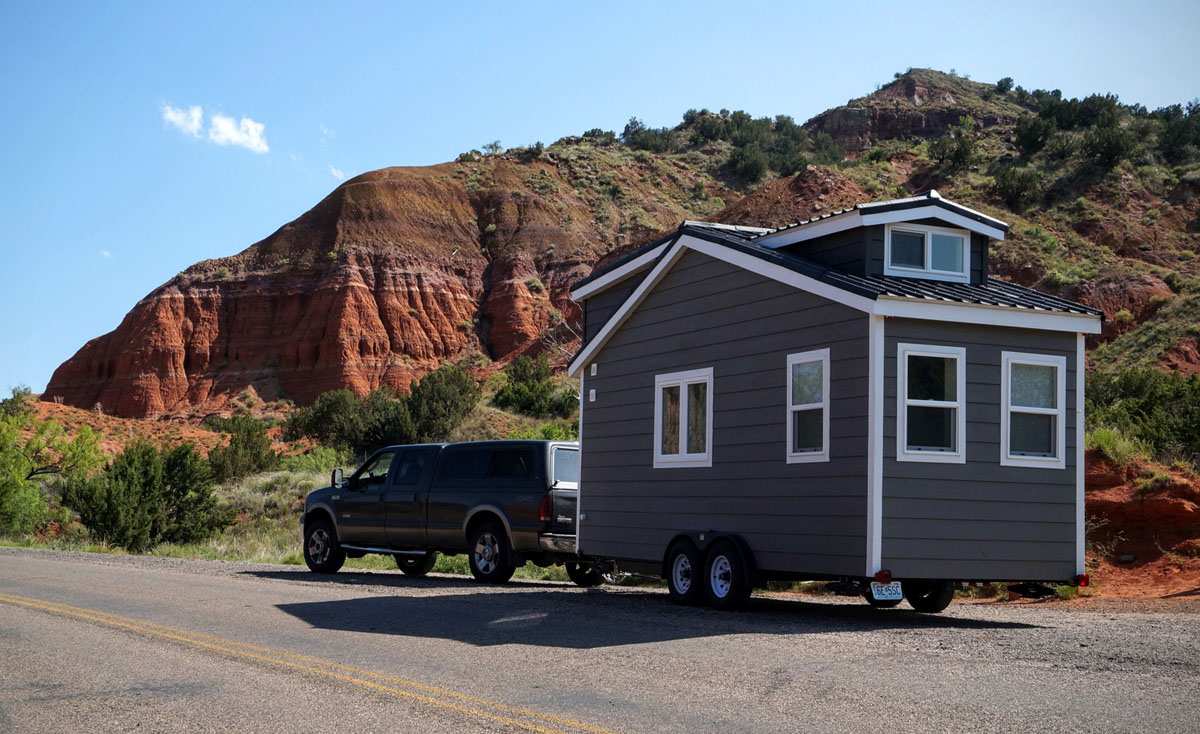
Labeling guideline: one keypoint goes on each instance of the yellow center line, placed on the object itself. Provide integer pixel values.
(292, 660)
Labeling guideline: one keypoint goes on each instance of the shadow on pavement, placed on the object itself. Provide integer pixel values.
(551, 615)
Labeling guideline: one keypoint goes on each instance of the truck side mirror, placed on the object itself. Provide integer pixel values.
(335, 479)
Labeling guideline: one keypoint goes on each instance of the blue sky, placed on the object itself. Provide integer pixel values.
(103, 199)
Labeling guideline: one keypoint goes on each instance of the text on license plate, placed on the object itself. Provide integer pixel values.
(886, 592)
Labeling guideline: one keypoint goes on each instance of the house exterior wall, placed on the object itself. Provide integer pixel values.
(979, 520)
(599, 308)
(800, 517)
(844, 250)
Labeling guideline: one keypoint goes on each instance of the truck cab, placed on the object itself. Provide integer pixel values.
(501, 502)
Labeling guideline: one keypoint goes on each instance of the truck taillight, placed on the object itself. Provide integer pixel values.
(545, 509)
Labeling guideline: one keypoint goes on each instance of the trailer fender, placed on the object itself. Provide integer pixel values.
(702, 539)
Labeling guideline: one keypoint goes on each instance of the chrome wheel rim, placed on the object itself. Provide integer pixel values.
(487, 552)
(318, 545)
(681, 573)
(721, 576)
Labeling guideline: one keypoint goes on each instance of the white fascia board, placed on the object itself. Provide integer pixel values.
(875, 412)
(819, 228)
(1080, 540)
(969, 313)
(932, 212)
(733, 257)
(641, 262)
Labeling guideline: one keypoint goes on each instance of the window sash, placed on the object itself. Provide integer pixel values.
(905, 449)
(807, 454)
(689, 431)
(927, 269)
(1056, 458)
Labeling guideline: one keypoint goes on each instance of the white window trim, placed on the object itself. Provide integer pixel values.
(683, 379)
(903, 453)
(1059, 460)
(927, 271)
(802, 457)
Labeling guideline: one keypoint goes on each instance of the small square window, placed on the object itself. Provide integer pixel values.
(908, 249)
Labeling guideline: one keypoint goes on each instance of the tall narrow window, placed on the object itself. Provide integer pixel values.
(808, 406)
(1033, 399)
(683, 418)
(931, 403)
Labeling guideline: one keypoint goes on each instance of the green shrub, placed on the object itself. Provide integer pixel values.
(534, 285)
(248, 451)
(554, 431)
(957, 148)
(1161, 410)
(439, 401)
(1019, 187)
(748, 164)
(1114, 444)
(530, 390)
(1107, 146)
(317, 460)
(1031, 134)
(1005, 85)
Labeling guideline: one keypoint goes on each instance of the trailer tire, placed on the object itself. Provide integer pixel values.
(685, 566)
(584, 575)
(929, 597)
(416, 566)
(725, 584)
(322, 551)
(488, 554)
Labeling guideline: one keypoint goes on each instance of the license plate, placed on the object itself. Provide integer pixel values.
(886, 592)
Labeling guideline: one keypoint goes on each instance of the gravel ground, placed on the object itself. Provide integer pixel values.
(615, 658)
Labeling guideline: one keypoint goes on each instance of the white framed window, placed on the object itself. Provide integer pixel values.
(1033, 405)
(931, 403)
(916, 250)
(808, 406)
(683, 419)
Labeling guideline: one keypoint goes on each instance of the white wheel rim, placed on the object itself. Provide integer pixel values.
(318, 546)
(681, 573)
(487, 553)
(721, 576)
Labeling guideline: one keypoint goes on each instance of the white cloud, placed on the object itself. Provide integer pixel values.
(187, 121)
(106, 253)
(247, 134)
(339, 174)
(326, 134)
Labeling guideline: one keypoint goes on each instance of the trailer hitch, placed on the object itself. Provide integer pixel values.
(1031, 590)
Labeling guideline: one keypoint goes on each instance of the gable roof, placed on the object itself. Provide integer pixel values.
(993, 302)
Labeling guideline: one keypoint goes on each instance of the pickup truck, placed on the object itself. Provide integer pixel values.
(503, 503)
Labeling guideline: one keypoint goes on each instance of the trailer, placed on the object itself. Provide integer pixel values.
(850, 398)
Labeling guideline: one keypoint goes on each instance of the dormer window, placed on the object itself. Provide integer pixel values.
(919, 251)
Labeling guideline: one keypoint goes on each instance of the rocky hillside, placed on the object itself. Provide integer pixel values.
(401, 269)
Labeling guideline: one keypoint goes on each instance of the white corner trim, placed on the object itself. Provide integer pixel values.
(875, 447)
(641, 262)
(903, 453)
(808, 457)
(973, 313)
(682, 380)
(1007, 360)
(932, 212)
(820, 228)
(579, 489)
(927, 272)
(1080, 434)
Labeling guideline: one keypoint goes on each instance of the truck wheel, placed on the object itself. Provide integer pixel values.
(322, 552)
(585, 576)
(684, 568)
(725, 577)
(930, 597)
(488, 557)
(416, 566)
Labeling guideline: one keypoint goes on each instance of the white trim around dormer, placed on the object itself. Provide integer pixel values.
(927, 272)
(933, 212)
(863, 218)
(641, 262)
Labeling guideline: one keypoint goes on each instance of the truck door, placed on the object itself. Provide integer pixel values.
(406, 498)
(359, 504)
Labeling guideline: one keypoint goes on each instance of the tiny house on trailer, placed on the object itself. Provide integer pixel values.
(848, 398)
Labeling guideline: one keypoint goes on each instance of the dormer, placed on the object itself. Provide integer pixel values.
(925, 237)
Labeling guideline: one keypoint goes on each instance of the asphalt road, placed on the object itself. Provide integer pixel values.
(111, 643)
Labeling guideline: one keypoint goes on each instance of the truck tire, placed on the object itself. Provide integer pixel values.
(584, 575)
(929, 597)
(725, 584)
(685, 566)
(488, 554)
(416, 566)
(322, 552)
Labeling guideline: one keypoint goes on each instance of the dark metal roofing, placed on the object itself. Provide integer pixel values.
(992, 293)
(929, 198)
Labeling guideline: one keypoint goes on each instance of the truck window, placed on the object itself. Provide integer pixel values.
(467, 464)
(374, 473)
(566, 466)
(412, 466)
(513, 463)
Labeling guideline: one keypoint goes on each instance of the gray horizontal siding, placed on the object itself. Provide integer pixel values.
(705, 313)
(599, 308)
(978, 520)
(844, 250)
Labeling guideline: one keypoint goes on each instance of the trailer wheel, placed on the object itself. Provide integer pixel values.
(488, 554)
(930, 597)
(684, 570)
(416, 566)
(584, 575)
(879, 603)
(725, 577)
